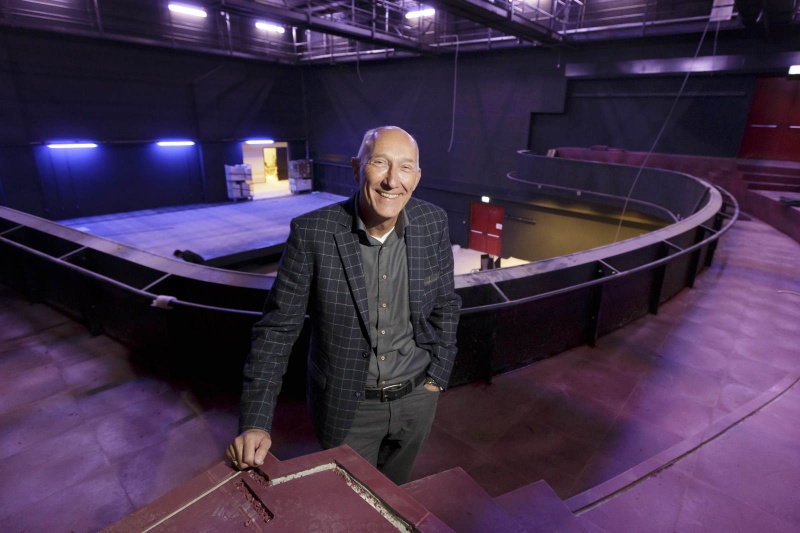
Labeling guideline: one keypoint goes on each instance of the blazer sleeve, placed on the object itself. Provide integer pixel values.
(274, 335)
(444, 316)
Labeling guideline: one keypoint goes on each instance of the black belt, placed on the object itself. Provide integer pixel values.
(396, 391)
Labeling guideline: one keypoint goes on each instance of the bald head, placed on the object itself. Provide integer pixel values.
(368, 143)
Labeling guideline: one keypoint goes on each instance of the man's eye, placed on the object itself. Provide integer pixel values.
(380, 163)
(407, 168)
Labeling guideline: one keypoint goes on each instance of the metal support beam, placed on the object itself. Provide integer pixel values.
(499, 18)
(306, 20)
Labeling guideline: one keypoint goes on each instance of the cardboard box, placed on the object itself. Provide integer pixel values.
(297, 185)
(300, 168)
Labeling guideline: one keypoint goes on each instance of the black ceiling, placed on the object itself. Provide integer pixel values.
(337, 31)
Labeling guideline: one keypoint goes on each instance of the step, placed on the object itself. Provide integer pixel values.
(790, 168)
(775, 196)
(784, 187)
(771, 178)
(458, 501)
(539, 508)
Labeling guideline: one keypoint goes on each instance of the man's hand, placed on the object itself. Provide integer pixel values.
(432, 388)
(249, 449)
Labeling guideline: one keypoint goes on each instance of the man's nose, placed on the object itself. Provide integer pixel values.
(392, 177)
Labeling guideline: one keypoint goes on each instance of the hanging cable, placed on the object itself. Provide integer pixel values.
(661, 132)
(358, 66)
(455, 86)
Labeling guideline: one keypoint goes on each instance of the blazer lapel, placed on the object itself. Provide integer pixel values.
(350, 254)
(414, 251)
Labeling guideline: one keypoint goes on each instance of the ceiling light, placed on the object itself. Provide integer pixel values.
(72, 145)
(485, 199)
(175, 143)
(268, 26)
(794, 70)
(259, 141)
(428, 12)
(187, 10)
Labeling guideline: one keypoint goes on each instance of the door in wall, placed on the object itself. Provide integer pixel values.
(773, 125)
(486, 228)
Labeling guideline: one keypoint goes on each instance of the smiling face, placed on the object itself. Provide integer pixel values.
(387, 174)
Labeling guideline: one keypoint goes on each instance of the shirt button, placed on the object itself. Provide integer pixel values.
(383, 358)
(383, 383)
(383, 332)
(384, 276)
(358, 395)
(364, 355)
(383, 305)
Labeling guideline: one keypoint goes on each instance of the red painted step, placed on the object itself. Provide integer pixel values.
(458, 501)
(539, 508)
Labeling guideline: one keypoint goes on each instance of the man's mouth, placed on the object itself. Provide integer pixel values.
(388, 196)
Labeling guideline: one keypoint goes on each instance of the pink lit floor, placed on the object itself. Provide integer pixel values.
(681, 421)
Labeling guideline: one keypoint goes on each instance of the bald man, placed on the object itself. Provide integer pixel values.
(375, 275)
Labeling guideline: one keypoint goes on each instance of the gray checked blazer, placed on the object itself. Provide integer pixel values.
(321, 273)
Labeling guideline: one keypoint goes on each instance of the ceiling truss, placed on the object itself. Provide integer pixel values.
(347, 30)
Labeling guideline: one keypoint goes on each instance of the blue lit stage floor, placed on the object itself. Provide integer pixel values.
(223, 230)
(211, 230)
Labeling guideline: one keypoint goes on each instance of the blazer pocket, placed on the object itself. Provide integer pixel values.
(431, 279)
(318, 377)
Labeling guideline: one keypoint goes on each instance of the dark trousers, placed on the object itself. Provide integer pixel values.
(390, 434)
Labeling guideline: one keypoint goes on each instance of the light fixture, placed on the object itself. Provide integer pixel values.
(187, 10)
(175, 143)
(268, 26)
(72, 145)
(259, 141)
(427, 12)
(794, 70)
(485, 199)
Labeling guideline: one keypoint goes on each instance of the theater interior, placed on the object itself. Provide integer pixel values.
(627, 342)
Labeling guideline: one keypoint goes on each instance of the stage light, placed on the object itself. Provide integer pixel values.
(187, 10)
(259, 141)
(428, 12)
(268, 26)
(175, 143)
(485, 199)
(72, 145)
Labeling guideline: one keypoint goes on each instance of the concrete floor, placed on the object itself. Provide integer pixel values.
(681, 421)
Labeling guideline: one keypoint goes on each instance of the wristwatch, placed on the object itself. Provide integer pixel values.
(430, 381)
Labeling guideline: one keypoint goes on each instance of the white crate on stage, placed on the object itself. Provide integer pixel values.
(239, 179)
(300, 176)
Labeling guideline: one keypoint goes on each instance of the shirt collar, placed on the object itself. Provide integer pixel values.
(361, 228)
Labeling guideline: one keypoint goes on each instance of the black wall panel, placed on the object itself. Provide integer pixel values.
(61, 87)
(708, 119)
(20, 187)
(470, 114)
(494, 96)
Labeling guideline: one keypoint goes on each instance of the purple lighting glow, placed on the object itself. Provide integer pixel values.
(71, 145)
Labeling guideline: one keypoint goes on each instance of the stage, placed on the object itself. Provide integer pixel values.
(221, 233)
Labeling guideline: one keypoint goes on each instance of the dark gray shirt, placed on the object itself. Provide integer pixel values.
(395, 355)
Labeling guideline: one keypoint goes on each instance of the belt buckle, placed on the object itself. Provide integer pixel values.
(390, 388)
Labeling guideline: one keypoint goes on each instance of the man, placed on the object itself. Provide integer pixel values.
(375, 275)
(189, 256)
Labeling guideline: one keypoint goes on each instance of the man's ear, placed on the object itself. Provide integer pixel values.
(356, 164)
(419, 177)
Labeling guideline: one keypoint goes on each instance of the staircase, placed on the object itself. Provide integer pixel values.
(770, 188)
(458, 501)
(771, 176)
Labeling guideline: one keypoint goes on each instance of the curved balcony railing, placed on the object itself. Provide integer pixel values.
(511, 316)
